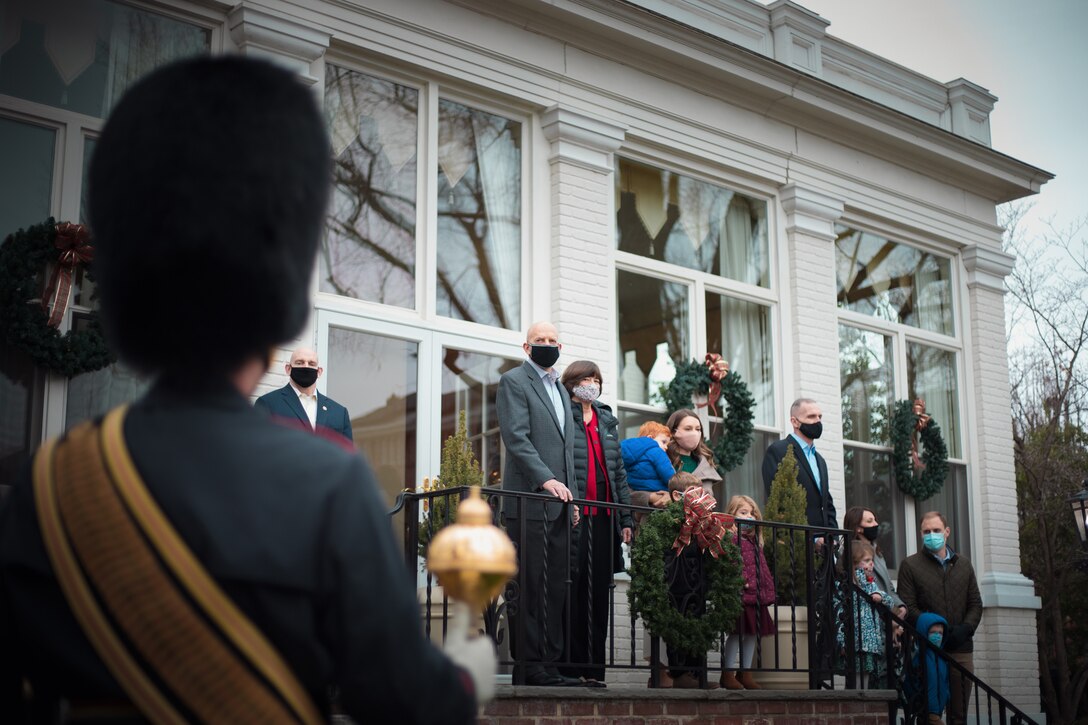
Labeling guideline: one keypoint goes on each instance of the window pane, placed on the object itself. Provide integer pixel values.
(868, 386)
(479, 216)
(893, 281)
(21, 388)
(653, 335)
(93, 394)
(952, 502)
(931, 375)
(470, 382)
(680, 220)
(741, 332)
(747, 478)
(868, 479)
(26, 175)
(374, 377)
(369, 250)
(82, 55)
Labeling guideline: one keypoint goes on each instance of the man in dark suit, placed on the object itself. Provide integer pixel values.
(300, 399)
(807, 421)
(537, 428)
(289, 526)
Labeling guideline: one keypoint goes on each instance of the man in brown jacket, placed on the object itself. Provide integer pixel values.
(941, 581)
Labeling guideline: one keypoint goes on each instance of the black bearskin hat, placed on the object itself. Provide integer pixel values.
(208, 191)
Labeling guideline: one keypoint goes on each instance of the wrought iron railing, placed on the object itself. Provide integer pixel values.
(812, 634)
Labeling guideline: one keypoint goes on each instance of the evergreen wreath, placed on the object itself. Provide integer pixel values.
(649, 594)
(735, 438)
(929, 481)
(24, 256)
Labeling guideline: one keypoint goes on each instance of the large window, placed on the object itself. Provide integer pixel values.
(63, 66)
(693, 276)
(379, 234)
(897, 341)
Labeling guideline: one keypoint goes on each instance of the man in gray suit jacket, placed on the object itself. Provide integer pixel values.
(537, 427)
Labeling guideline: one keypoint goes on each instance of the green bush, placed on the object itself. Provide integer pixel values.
(785, 550)
(459, 468)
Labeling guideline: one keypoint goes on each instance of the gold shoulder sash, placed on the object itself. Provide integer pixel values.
(160, 623)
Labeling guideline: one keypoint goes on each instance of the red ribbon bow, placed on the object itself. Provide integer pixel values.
(718, 369)
(74, 243)
(700, 521)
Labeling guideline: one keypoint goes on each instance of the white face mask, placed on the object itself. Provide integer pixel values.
(587, 393)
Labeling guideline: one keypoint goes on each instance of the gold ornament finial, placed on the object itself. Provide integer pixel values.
(472, 558)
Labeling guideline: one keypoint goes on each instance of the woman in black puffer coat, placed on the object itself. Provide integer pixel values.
(595, 552)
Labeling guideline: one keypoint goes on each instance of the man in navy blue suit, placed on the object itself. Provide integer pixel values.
(300, 399)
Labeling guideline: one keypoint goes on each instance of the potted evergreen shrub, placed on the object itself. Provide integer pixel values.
(785, 552)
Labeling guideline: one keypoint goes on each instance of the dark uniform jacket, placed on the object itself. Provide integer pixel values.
(950, 590)
(292, 528)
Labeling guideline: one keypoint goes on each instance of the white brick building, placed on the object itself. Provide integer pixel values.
(661, 178)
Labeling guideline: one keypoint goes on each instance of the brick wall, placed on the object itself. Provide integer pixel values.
(525, 706)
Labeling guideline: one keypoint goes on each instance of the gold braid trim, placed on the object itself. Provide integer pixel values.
(117, 530)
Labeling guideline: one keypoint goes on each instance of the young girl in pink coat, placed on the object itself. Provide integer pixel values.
(757, 596)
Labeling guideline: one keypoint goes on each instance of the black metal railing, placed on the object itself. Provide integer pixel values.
(813, 629)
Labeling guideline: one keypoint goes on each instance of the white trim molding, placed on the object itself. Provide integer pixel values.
(987, 267)
(810, 211)
(261, 34)
(581, 139)
(1008, 590)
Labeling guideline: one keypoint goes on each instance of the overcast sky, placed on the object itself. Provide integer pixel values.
(1030, 54)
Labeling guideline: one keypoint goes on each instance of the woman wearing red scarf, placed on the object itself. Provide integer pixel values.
(596, 551)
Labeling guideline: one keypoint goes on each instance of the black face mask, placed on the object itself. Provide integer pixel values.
(544, 355)
(870, 532)
(812, 431)
(304, 377)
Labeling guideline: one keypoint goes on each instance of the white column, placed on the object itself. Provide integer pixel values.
(582, 235)
(1006, 645)
(814, 334)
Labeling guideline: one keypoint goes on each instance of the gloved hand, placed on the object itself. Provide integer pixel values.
(476, 656)
(958, 634)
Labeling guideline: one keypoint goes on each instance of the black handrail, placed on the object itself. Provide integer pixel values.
(822, 592)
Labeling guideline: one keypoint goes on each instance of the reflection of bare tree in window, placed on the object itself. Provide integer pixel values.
(893, 281)
(370, 248)
(479, 215)
(866, 381)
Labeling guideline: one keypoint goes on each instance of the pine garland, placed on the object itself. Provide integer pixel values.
(734, 440)
(649, 594)
(929, 481)
(24, 257)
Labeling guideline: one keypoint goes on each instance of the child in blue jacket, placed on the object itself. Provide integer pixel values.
(931, 627)
(645, 460)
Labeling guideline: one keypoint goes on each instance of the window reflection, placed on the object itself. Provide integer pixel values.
(26, 175)
(868, 478)
(867, 383)
(952, 502)
(683, 221)
(741, 332)
(470, 382)
(369, 250)
(82, 55)
(893, 281)
(374, 377)
(931, 375)
(653, 334)
(479, 216)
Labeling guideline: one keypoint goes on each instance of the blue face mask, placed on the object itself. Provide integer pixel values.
(934, 541)
(935, 638)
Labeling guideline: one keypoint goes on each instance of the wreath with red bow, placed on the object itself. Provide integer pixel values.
(30, 313)
(712, 378)
(648, 595)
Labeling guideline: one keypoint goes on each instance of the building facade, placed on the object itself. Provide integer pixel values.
(660, 178)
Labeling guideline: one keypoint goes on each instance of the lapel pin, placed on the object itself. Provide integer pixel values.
(323, 408)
